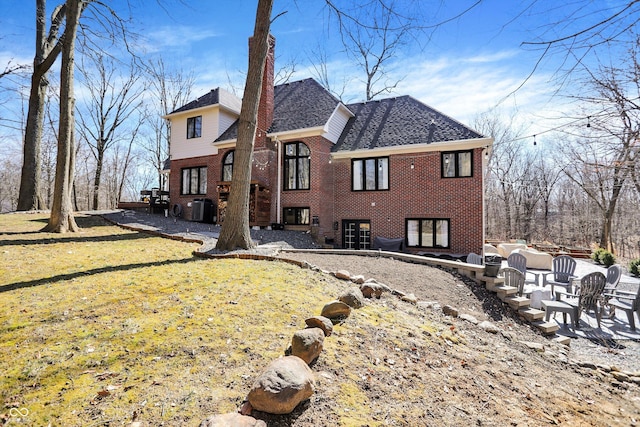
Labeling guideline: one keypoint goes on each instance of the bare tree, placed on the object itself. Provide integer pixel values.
(235, 231)
(62, 219)
(47, 49)
(114, 99)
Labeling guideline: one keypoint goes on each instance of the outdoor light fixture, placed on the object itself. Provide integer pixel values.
(534, 140)
(412, 164)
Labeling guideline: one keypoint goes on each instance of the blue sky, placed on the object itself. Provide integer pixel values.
(468, 66)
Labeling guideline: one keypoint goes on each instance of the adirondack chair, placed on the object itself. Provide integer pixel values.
(589, 297)
(519, 262)
(627, 302)
(515, 278)
(474, 258)
(563, 268)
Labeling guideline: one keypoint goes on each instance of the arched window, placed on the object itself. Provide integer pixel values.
(297, 158)
(227, 166)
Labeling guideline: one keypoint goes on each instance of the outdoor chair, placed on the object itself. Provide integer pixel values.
(519, 262)
(563, 268)
(614, 273)
(625, 301)
(474, 258)
(514, 278)
(589, 297)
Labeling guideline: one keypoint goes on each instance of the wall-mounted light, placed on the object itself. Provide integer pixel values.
(412, 166)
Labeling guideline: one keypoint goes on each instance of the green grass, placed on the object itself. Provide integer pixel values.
(105, 323)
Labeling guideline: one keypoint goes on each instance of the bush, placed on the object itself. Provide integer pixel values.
(597, 254)
(607, 259)
(634, 267)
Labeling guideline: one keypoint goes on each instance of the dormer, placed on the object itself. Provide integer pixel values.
(197, 124)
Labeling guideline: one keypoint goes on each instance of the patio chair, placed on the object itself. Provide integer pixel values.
(519, 262)
(563, 268)
(474, 258)
(614, 273)
(515, 278)
(625, 301)
(589, 297)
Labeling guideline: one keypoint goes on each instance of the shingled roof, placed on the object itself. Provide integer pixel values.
(210, 98)
(398, 121)
(298, 105)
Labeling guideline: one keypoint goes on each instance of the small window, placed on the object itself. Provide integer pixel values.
(194, 181)
(457, 164)
(297, 158)
(370, 174)
(194, 127)
(227, 166)
(427, 233)
(296, 216)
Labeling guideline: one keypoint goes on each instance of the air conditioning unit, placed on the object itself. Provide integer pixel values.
(197, 210)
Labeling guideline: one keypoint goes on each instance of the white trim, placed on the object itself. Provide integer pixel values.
(299, 133)
(465, 144)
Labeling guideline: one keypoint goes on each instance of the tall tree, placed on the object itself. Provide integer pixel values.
(113, 99)
(235, 232)
(47, 50)
(62, 219)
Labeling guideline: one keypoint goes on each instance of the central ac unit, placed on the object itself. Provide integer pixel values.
(197, 210)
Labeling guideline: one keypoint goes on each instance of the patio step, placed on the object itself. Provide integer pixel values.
(517, 302)
(561, 339)
(505, 291)
(490, 283)
(547, 328)
(531, 314)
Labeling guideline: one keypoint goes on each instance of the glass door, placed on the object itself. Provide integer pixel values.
(356, 234)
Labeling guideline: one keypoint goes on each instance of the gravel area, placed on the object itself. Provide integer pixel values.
(426, 283)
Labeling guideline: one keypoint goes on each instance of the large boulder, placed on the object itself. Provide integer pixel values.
(352, 297)
(285, 383)
(307, 344)
(321, 322)
(336, 311)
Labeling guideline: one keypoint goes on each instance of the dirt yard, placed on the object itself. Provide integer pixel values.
(515, 377)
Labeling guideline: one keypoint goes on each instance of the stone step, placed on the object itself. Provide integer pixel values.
(547, 328)
(491, 282)
(531, 314)
(517, 303)
(561, 339)
(505, 291)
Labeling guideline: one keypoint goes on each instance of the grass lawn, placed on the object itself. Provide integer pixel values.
(104, 325)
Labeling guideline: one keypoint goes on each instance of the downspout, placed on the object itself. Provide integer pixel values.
(278, 181)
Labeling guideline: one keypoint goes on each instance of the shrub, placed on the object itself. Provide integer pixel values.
(607, 259)
(596, 255)
(634, 267)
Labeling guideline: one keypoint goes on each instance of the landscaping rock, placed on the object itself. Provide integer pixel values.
(359, 279)
(232, 419)
(371, 290)
(450, 311)
(322, 323)
(342, 274)
(489, 327)
(353, 298)
(307, 344)
(410, 298)
(336, 310)
(469, 318)
(285, 383)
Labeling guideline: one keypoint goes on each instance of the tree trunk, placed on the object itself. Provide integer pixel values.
(29, 197)
(97, 179)
(235, 232)
(62, 219)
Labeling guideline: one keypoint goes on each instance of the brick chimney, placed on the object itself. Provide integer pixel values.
(265, 108)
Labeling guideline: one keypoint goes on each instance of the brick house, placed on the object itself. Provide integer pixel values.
(392, 168)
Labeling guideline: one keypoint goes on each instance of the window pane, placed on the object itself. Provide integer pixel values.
(464, 164)
(193, 187)
(303, 216)
(198, 126)
(427, 233)
(413, 238)
(289, 216)
(442, 233)
(290, 174)
(185, 181)
(448, 165)
(303, 150)
(290, 149)
(303, 173)
(202, 187)
(383, 174)
(357, 175)
(370, 174)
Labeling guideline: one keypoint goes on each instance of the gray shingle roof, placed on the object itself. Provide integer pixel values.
(210, 98)
(298, 105)
(398, 121)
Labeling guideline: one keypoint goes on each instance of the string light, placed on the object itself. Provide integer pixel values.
(588, 121)
(534, 140)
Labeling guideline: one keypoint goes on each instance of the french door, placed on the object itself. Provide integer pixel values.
(356, 234)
